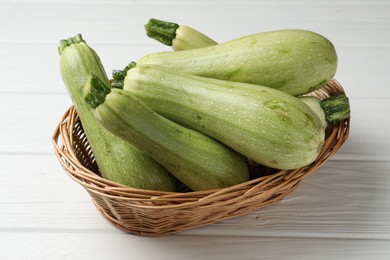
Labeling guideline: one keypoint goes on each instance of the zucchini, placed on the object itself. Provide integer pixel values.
(198, 161)
(117, 160)
(293, 61)
(180, 37)
(268, 126)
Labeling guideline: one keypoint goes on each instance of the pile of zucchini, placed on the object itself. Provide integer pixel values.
(196, 114)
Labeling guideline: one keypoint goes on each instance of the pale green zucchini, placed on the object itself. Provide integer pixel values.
(293, 61)
(182, 37)
(198, 161)
(267, 125)
(117, 159)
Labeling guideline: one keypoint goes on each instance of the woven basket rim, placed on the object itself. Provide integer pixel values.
(62, 141)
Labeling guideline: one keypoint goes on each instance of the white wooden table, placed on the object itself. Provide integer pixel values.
(340, 212)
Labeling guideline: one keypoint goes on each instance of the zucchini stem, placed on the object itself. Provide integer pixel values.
(118, 76)
(180, 37)
(67, 42)
(336, 108)
(95, 91)
(161, 31)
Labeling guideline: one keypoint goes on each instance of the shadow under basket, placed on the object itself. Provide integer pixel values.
(156, 213)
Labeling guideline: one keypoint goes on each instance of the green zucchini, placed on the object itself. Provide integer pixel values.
(198, 161)
(117, 160)
(269, 126)
(293, 61)
(182, 37)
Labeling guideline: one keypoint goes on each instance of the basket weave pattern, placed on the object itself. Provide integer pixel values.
(155, 213)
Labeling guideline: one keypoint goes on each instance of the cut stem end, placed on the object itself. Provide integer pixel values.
(119, 76)
(67, 42)
(336, 108)
(161, 31)
(95, 91)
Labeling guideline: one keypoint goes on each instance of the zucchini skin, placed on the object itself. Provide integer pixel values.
(195, 159)
(117, 160)
(268, 126)
(293, 61)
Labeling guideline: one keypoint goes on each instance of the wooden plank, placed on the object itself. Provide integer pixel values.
(123, 22)
(29, 121)
(36, 194)
(361, 71)
(38, 245)
(344, 199)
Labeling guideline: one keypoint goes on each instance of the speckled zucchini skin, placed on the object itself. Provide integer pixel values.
(195, 159)
(293, 61)
(117, 159)
(269, 126)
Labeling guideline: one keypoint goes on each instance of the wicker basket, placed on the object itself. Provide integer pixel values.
(154, 213)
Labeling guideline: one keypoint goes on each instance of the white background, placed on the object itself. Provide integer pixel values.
(342, 211)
